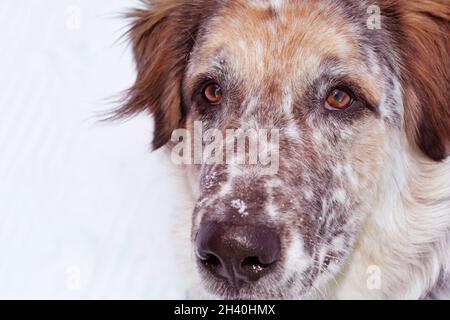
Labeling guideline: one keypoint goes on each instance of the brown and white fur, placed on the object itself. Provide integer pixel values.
(357, 190)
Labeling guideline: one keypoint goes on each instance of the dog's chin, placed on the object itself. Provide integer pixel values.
(267, 289)
(226, 292)
(220, 289)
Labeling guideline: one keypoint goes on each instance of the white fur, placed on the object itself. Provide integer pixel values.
(407, 237)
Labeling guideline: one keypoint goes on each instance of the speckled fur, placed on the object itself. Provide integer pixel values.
(353, 189)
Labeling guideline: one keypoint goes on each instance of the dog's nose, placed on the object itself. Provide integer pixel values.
(238, 253)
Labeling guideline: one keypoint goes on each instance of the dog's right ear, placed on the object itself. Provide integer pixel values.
(162, 35)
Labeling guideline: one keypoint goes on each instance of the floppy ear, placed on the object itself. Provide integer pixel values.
(425, 52)
(162, 37)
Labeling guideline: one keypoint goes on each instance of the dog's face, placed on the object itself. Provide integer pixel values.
(330, 85)
(278, 68)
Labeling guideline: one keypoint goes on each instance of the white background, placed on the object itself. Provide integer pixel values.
(85, 208)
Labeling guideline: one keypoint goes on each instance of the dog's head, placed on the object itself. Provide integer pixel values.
(346, 86)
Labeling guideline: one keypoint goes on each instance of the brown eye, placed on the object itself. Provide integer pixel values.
(338, 99)
(212, 93)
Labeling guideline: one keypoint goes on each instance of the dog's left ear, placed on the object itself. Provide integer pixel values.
(162, 36)
(425, 49)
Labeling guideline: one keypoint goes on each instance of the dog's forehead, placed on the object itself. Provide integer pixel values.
(268, 4)
(266, 39)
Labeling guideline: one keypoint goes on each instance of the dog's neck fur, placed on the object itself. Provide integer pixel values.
(406, 238)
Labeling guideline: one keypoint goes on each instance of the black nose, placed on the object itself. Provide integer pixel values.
(238, 253)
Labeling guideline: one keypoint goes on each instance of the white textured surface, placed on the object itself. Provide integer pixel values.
(84, 207)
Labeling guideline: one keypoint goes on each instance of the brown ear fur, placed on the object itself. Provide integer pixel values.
(162, 36)
(425, 51)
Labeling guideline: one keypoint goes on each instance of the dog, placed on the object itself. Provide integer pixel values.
(358, 91)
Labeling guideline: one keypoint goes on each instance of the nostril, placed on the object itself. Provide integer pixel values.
(254, 265)
(213, 264)
(210, 260)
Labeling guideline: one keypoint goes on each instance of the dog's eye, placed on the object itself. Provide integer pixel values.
(212, 93)
(338, 99)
